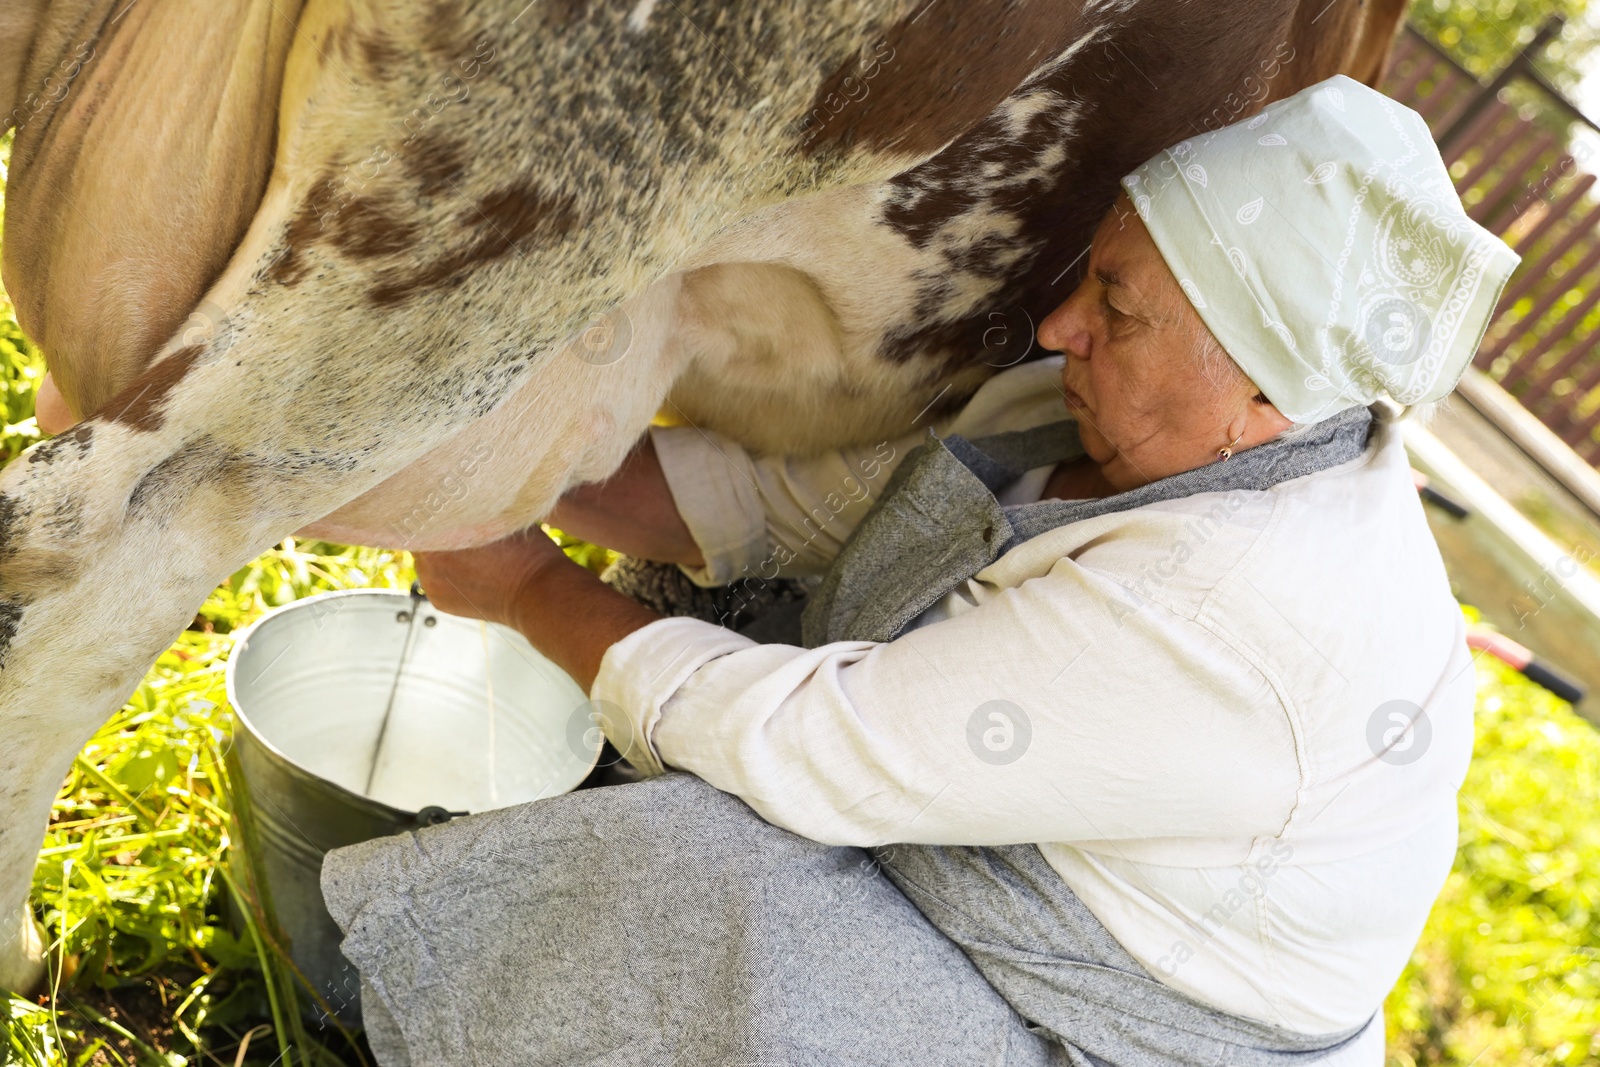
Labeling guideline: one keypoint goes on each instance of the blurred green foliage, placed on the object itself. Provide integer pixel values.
(1484, 35)
(1507, 971)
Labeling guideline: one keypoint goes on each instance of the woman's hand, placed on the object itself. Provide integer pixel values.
(488, 582)
(527, 583)
(632, 512)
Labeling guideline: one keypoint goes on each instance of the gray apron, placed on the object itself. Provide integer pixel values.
(664, 923)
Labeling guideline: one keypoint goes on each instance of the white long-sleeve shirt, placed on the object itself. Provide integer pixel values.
(1197, 689)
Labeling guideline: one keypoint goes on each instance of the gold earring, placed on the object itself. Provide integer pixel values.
(1226, 451)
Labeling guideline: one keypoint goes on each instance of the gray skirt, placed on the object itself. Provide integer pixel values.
(653, 924)
(664, 923)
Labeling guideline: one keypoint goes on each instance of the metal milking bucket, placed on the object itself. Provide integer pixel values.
(367, 713)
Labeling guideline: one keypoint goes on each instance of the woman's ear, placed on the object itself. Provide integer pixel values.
(1275, 421)
(1263, 421)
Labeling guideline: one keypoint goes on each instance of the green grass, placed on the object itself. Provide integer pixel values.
(141, 872)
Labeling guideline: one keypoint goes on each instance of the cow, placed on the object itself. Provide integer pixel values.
(297, 263)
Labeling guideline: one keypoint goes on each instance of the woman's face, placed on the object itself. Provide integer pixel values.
(1133, 374)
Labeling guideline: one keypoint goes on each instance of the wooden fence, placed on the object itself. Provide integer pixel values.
(1519, 178)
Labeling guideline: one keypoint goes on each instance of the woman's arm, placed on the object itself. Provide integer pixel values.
(527, 583)
(740, 515)
(1039, 715)
(631, 512)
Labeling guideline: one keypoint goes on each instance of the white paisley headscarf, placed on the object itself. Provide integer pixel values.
(1324, 245)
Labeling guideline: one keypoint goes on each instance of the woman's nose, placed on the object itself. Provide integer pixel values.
(1064, 330)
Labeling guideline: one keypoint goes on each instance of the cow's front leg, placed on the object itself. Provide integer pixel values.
(112, 534)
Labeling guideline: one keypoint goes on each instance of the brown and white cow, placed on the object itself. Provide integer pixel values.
(301, 261)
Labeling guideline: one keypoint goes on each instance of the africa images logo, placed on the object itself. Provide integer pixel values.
(594, 722)
(1399, 732)
(999, 732)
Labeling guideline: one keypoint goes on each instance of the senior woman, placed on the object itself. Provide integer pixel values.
(1159, 709)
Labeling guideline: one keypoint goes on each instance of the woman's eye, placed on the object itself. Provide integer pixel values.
(1112, 314)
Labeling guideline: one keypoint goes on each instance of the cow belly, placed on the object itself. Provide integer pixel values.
(773, 342)
(750, 350)
(572, 423)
